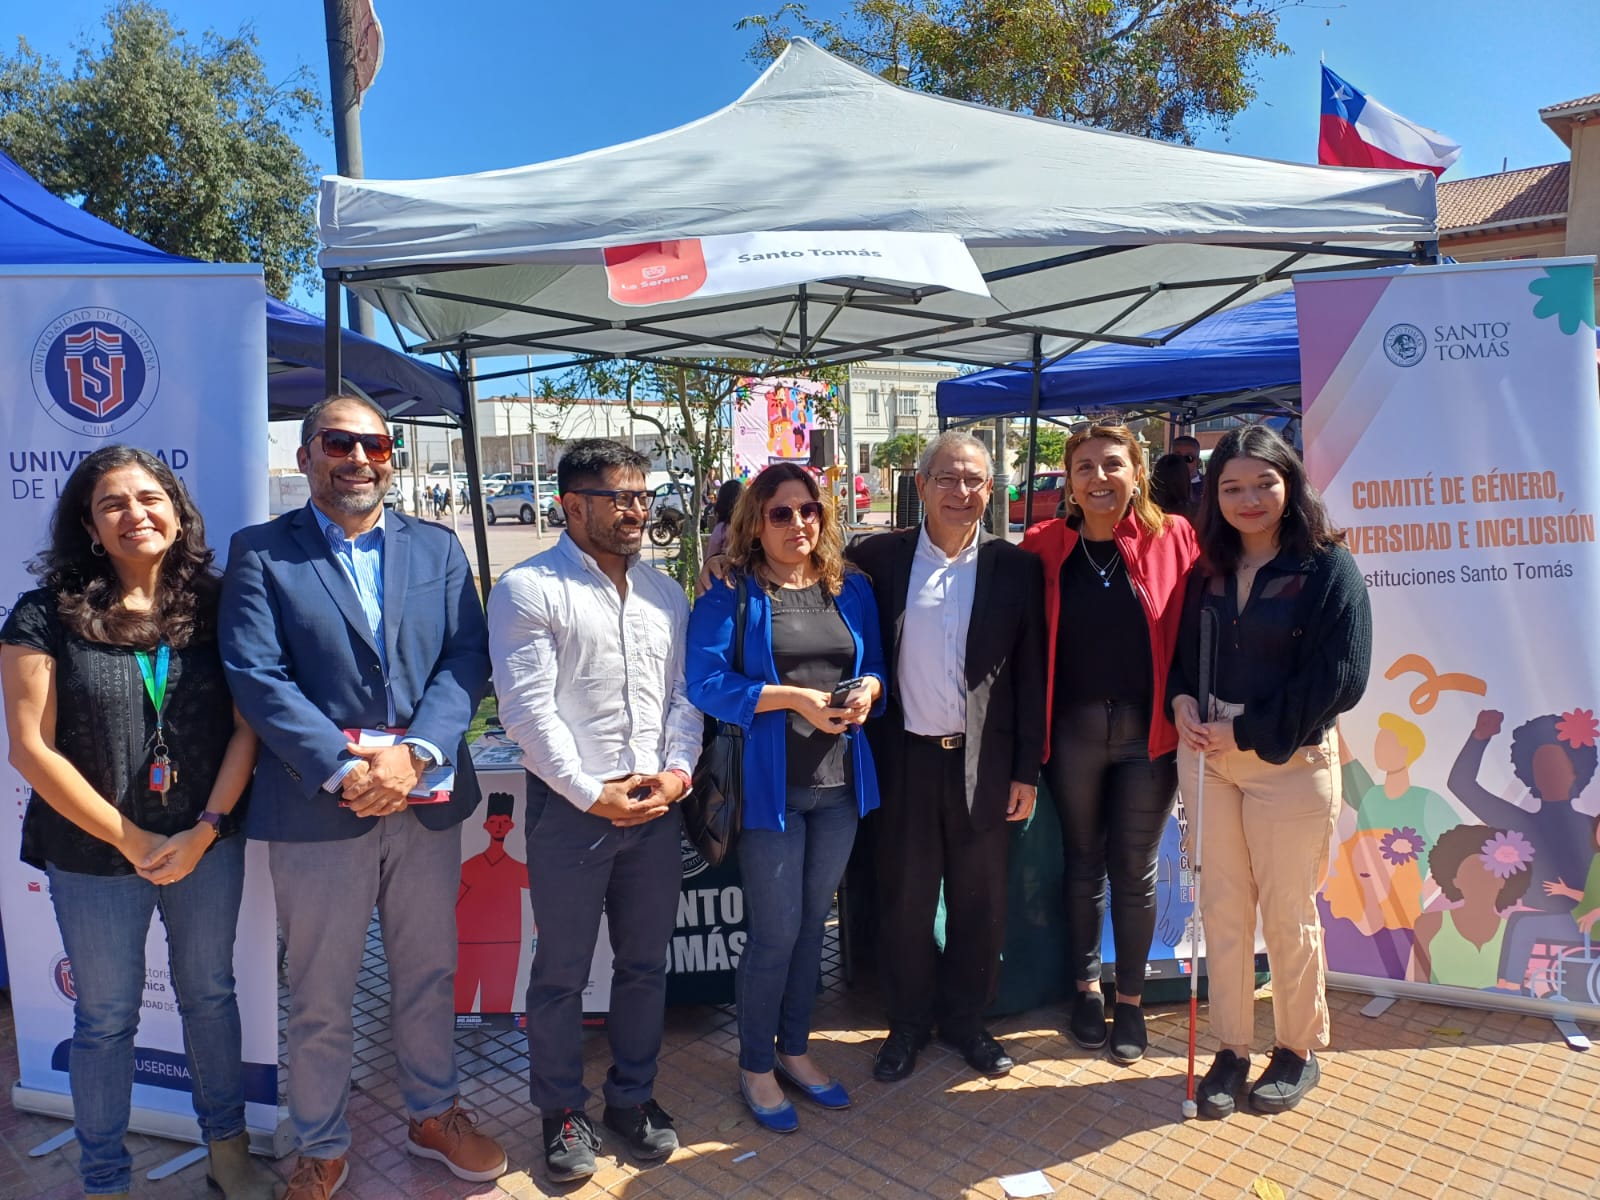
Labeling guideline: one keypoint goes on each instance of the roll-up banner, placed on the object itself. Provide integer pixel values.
(1452, 423)
(172, 359)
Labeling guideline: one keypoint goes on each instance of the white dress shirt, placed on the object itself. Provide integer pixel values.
(591, 683)
(931, 676)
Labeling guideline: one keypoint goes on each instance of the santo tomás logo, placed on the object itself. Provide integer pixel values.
(95, 371)
(61, 976)
(1405, 345)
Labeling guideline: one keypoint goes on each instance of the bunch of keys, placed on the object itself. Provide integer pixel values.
(162, 774)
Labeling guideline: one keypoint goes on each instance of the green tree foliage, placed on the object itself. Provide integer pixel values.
(899, 452)
(1159, 68)
(1052, 446)
(188, 146)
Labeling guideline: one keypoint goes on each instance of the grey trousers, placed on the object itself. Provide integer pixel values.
(578, 863)
(325, 893)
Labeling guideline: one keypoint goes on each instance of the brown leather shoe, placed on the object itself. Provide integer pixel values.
(451, 1138)
(317, 1178)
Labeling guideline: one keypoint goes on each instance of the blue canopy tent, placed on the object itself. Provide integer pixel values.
(1244, 359)
(37, 227)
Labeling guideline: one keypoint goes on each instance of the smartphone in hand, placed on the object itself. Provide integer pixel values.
(841, 693)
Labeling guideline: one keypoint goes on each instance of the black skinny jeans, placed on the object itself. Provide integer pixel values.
(1114, 804)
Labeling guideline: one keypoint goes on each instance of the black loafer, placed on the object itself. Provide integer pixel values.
(898, 1055)
(1129, 1039)
(983, 1054)
(1217, 1093)
(1285, 1082)
(645, 1127)
(1088, 1023)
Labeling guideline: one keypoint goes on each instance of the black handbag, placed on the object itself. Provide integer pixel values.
(713, 809)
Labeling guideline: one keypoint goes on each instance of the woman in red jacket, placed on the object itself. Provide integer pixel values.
(1114, 573)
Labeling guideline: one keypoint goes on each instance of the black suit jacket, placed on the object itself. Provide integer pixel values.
(1005, 731)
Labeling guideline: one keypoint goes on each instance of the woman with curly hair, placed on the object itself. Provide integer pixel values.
(1484, 871)
(810, 624)
(1554, 757)
(1294, 647)
(121, 722)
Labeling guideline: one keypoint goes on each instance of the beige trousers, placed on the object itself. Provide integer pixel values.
(1265, 831)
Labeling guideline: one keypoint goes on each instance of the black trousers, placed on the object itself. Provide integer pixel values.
(925, 838)
(1114, 804)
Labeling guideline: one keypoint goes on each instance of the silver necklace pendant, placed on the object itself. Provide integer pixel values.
(1108, 570)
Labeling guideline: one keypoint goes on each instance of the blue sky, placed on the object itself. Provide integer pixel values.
(496, 83)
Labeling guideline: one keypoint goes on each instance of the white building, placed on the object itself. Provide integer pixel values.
(890, 398)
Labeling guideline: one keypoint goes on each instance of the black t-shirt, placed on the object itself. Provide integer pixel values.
(812, 647)
(105, 727)
(1103, 639)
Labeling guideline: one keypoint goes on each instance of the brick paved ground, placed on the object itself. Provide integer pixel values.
(1425, 1101)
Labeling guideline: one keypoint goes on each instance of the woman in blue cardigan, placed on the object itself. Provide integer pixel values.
(810, 625)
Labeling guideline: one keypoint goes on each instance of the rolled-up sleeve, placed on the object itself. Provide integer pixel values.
(685, 725)
(522, 647)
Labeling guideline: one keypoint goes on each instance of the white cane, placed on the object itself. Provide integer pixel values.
(1208, 640)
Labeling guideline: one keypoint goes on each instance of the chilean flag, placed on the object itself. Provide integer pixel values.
(1357, 131)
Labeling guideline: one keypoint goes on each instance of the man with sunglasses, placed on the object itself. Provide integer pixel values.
(1188, 449)
(957, 752)
(339, 618)
(588, 648)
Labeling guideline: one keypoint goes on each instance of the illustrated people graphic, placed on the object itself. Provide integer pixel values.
(489, 917)
(1485, 871)
(1371, 901)
(1587, 911)
(1554, 757)
(1396, 802)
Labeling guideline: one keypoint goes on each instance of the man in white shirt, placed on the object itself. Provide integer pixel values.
(957, 752)
(587, 644)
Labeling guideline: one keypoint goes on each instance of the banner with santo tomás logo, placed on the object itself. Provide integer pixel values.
(1452, 421)
(172, 359)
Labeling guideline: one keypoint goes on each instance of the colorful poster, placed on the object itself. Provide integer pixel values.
(170, 359)
(1452, 421)
(776, 420)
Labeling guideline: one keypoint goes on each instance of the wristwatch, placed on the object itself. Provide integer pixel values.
(421, 760)
(213, 819)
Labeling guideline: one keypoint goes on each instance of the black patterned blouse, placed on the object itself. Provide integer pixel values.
(105, 726)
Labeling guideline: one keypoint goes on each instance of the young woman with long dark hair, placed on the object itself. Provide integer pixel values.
(1293, 650)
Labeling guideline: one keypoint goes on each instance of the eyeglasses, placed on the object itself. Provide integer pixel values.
(341, 443)
(783, 514)
(1188, 457)
(949, 483)
(620, 500)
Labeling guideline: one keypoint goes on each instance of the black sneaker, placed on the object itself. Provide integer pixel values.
(1129, 1040)
(1285, 1082)
(1218, 1091)
(645, 1127)
(1088, 1024)
(570, 1140)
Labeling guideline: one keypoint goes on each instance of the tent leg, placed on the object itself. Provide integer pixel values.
(332, 348)
(1033, 437)
(469, 451)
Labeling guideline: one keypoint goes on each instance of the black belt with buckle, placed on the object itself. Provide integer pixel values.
(952, 741)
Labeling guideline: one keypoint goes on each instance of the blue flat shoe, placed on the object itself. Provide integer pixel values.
(779, 1118)
(828, 1095)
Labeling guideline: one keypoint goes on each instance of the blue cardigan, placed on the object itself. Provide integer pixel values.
(715, 689)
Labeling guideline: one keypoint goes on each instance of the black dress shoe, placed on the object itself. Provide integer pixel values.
(1088, 1023)
(898, 1055)
(983, 1054)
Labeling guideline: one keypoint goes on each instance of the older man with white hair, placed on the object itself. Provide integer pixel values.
(957, 752)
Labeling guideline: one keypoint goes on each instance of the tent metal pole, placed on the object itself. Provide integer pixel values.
(1033, 433)
(332, 347)
(469, 451)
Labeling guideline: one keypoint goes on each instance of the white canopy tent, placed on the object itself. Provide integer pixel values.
(1081, 235)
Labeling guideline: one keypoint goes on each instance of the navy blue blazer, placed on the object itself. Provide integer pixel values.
(303, 666)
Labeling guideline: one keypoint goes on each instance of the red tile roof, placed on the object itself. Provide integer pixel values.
(1565, 105)
(1529, 194)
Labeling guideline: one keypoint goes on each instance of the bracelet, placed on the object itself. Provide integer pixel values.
(688, 780)
(213, 819)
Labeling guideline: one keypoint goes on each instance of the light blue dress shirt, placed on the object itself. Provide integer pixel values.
(361, 560)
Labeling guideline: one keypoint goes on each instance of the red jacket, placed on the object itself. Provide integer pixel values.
(1159, 568)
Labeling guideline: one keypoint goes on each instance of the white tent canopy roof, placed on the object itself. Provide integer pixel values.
(1151, 234)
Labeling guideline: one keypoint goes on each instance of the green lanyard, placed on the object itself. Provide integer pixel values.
(155, 683)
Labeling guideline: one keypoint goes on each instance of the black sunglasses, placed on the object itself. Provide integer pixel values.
(341, 443)
(1188, 457)
(783, 514)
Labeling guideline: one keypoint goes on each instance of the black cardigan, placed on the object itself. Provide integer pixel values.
(1333, 640)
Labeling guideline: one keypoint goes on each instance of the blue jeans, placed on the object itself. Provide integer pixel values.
(789, 880)
(103, 920)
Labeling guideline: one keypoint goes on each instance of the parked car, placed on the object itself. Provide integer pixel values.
(515, 501)
(863, 498)
(1049, 490)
